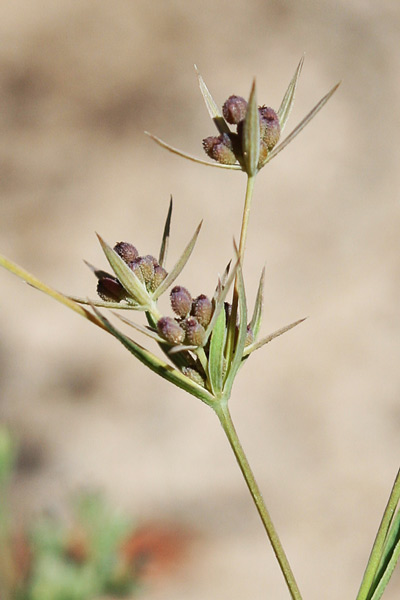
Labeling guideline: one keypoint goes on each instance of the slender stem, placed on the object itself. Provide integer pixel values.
(225, 419)
(246, 214)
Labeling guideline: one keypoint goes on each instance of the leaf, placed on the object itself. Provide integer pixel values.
(216, 354)
(103, 304)
(389, 559)
(301, 125)
(126, 276)
(288, 99)
(39, 285)
(255, 322)
(99, 273)
(251, 135)
(236, 361)
(382, 547)
(165, 238)
(151, 333)
(212, 107)
(173, 274)
(219, 305)
(155, 364)
(163, 144)
(258, 344)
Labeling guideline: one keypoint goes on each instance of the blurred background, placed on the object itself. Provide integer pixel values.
(318, 410)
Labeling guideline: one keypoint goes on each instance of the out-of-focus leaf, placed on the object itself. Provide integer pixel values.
(165, 238)
(174, 273)
(288, 99)
(126, 276)
(389, 559)
(301, 125)
(163, 144)
(212, 107)
(251, 135)
(259, 343)
(155, 364)
(39, 285)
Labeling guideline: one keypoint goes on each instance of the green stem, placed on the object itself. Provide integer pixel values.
(225, 419)
(246, 215)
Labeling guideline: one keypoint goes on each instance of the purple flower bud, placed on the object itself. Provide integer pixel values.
(270, 129)
(220, 149)
(194, 331)
(202, 309)
(181, 301)
(126, 251)
(234, 110)
(170, 330)
(110, 289)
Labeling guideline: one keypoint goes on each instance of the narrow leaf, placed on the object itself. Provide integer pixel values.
(219, 305)
(173, 274)
(258, 344)
(288, 99)
(103, 304)
(212, 107)
(126, 276)
(39, 285)
(236, 361)
(255, 322)
(155, 364)
(163, 144)
(165, 238)
(301, 125)
(389, 559)
(151, 333)
(216, 355)
(251, 135)
(99, 273)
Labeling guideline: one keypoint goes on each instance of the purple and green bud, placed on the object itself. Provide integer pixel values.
(126, 251)
(193, 375)
(202, 309)
(270, 129)
(234, 109)
(170, 330)
(144, 265)
(110, 290)
(220, 149)
(181, 301)
(159, 275)
(195, 333)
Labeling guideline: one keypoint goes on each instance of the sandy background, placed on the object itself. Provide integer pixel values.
(319, 409)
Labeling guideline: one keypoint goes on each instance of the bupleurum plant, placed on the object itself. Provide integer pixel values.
(207, 340)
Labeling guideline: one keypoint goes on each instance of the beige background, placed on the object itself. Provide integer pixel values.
(319, 409)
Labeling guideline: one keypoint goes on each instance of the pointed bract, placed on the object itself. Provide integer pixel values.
(288, 99)
(211, 105)
(251, 135)
(165, 238)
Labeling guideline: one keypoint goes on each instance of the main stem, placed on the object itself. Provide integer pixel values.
(246, 214)
(225, 419)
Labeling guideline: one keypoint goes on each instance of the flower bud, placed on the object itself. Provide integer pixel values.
(249, 336)
(194, 331)
(110, 290)
(202, 309)
(170, 330)
(146, 265)
(220, 149)
(126, 251)
(234, 110)
(193, 375)
(159, 275)
(181, 301)
(270, 129)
